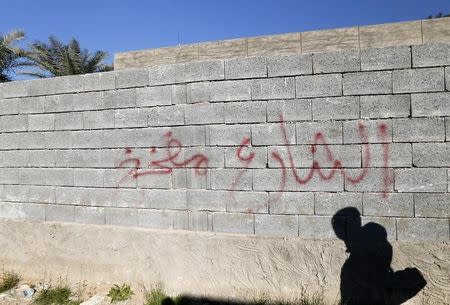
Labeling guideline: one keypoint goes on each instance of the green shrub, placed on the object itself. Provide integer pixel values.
(9, 281)
(120, 293)
(56, 296)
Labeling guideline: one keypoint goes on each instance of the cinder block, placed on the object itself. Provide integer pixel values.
(12, 140)
(385, 106)
(204, 113)
(430, 104)
(248, 202)
(167, 74)
(379, 82)
(447, 78)
(88, 138)
(115, 138)
(432, 205)
(431, 154)
(417, 229)
(16, 123)
(307, 131)
(276, 225)
(447, 129)
(198, 221)
(291, 203)
(245, 112)
(418, 80)
(287, 65)
(200, 92)
(9, 106)
(205, 70)
(272, 134)
(393, 205)
(190, 135)
(88, 177)
(331, 203)
(388, 224)
(17, 193)
(57, 176)
(90, 215)
(99, 81)
(131, 78)
(41, 194)
(429, 55)
(40, 122)
(28, 176)
(259, 159)
(352, 132)
(156, 219)
(386, 58)
(372, 181)
(165, 199)
(14, 89)
(233, 223)
(348, 155)
(273, 88)
(154, 96)
(59, 213)
(98, 119)
(87, 101)
(23, 211)
(119, 98)
(337, 108)
(13, 158)
(189, 178)
(130, 118)
(335, 62)
(206, 200)
(69, 121)
(228, 134)
(418, 180)
(318, 85)
(179, 94)
(246, 67)
(289, 110)
(315, 227)
(301, 156)
(166, 116)
(227, 179)
(225, 91)
(214, 157)
(419, 130)
(59, 103)
(399, 155)
(41, 140)
(118, 177)
(35, 104)
(121, 217)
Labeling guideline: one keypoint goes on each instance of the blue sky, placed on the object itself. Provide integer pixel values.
(125, 25)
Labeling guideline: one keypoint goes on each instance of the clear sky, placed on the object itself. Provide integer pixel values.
(126, 25)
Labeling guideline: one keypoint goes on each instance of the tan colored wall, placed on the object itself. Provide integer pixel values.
(202, 263)
(359, 37)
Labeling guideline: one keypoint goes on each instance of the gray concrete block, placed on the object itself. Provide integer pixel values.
(69, 121)
(120, 98)
(430, 104)
(13, 158)
(9, 106)
(245, 112)
(225, 179)
(419, 130)
(86, 101)
(99, 81)
(429, 55)
(130, 118)
(228, 134)
(348, 155)
(11, 140)
(230, 91)
(447, 129)
(14, 89)
(272, 134)
(89, 138)
(179, 94)
(287, 65)
(198, 221)
(22, 211)
(248, 202)
(331, 203)
(276, 225)
(315, 227)
(386, 58)
(432, 205)
(431, 154)
(373, 181)
(399, 155)
(289, 110)
(167, 74)
(421, 180)
(165, 116)
(165, 199)
(259, 159)
(301, 155)
(41, 194)
(155, 181)
(88, 177)
(419, 229)
(291, 203)
(418, 80)
(379, 82)
(115, 138)
(206, 200)
(334, 62)
(318, 85)
(215, 156)
(385, 106)
(157, 219)
(273, 88)
(393, 205)
(121, 217)
(205, 70)
(17, 193)
(246, 67)
(59, 103)
(352, 132)
(131, 78)
(98, 119)
(90, 215)
(201, 92)
(36, 104)
(118, 177)
(335, 108)
(190, 135)
(59, 213)
(306, 132)
(154, 96)
(14, 123)
(233, 223)
(38, 122)
(204, 113)
(447, 78)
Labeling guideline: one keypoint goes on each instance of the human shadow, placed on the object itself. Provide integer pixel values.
(367, 276)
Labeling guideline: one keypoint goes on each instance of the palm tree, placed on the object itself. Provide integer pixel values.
(58, 59)
(10, 54)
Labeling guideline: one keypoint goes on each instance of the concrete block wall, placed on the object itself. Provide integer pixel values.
(266, 145)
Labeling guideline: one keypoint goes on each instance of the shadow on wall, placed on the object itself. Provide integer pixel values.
(367, 276)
